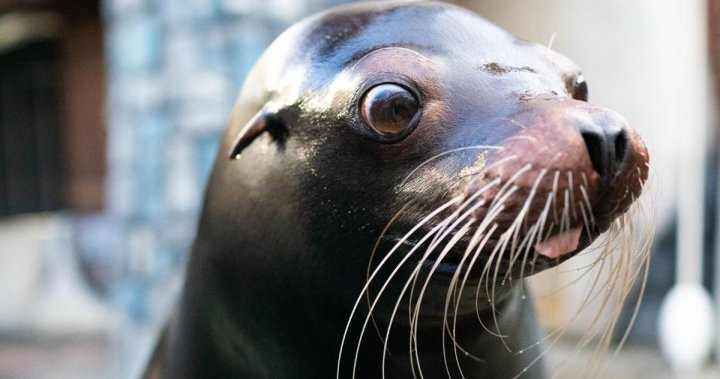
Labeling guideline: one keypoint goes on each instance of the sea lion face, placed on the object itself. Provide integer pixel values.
(398, 165)
(419, 136)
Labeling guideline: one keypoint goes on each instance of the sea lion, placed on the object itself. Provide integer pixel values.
(390, 171)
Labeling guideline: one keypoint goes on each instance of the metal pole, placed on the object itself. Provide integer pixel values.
(713, 22)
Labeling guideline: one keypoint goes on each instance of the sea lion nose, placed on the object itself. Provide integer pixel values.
(606, 141)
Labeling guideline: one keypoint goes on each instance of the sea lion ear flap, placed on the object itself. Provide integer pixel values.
(263, 121)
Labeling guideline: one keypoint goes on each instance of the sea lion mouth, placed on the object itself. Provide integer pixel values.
(469, 257)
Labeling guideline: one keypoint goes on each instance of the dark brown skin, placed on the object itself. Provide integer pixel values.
(312, 168)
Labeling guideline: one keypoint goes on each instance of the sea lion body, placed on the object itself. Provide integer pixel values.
(292, 249)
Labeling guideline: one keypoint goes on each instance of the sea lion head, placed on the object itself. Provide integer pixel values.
(394, 150)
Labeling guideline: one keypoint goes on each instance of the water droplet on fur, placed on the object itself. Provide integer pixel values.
(523, 297)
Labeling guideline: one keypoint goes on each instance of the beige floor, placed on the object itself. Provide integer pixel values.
(90, 357)
(633, 362)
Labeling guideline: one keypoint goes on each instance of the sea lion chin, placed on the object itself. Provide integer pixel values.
(390, 171)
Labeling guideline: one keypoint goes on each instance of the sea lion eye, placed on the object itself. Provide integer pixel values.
(580, 89)
(389, 109)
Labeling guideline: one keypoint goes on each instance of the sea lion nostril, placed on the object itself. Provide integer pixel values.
(597, 150)
(607, 147)
(621, 148)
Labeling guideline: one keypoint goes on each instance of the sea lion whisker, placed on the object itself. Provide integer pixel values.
(552, 40)
(565, 220)
(378, 241)
(412, 280)
(524, 249)
(502, 241)
(380, 293)
(556, 179)
(504, 238)
(514, 237)
(490, 288)
(474, 256)
(602, 330)
(513, 121)
(478, 247)
(458, 215)
(473, 260)
(513, 252)
(457, 347)
(523, 137)
(421, 295)
(647, 237)
(584, 180)
(441, 235)
(536, 232)
(473, 250)
(462, 206)
(557, 333)
(510, 182)
(439, 155)
(494, 211)
(485, 273)
(492, 214)
(551, 161)
(610, 284)
(571, 191)
(645, 263)
(457, 219)
(542, 220)
(519, 218)
(588, 206)
(484, 169)
(554, 336)
(502, 196)
(382, 263)
(585, 219)
(445, 230)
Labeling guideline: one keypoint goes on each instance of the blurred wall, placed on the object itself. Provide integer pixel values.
(175, 69)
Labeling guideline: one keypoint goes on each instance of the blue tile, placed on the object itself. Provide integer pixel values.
(135, 44)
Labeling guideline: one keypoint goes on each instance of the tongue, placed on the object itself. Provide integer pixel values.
(560, 244)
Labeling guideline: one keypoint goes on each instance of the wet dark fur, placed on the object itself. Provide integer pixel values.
(305, 202)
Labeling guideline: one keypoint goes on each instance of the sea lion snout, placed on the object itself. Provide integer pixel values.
(618, 156)
(566, 170)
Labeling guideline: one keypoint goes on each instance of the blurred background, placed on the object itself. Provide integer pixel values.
(110, 115)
